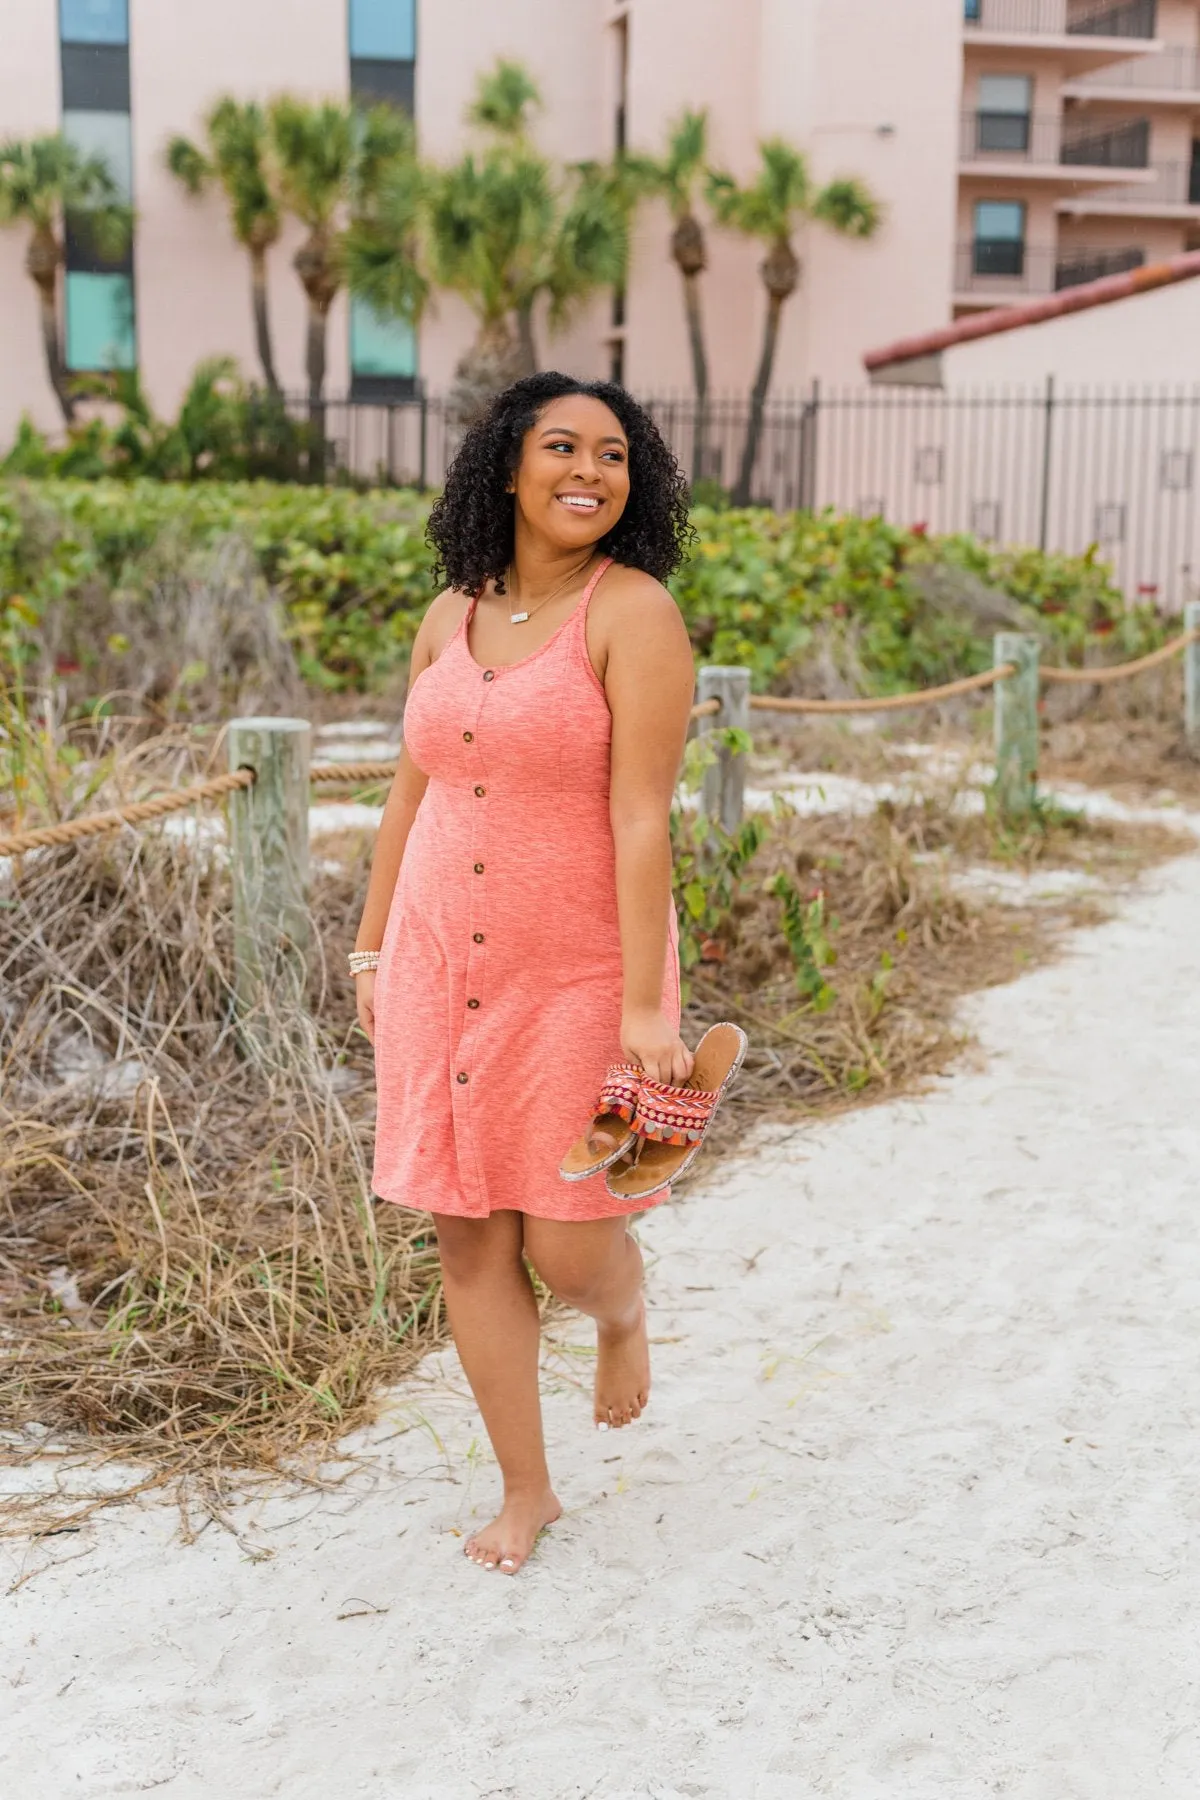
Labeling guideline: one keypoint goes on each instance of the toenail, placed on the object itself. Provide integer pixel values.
(489, 1565)
(601, 1425)
(507, 1562)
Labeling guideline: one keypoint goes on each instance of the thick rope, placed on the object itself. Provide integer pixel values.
(1119, 671)
(45, 837)
(325, 773)
(893, 702)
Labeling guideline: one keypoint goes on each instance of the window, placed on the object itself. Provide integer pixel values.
(383, 30)
(383, 47)
(1005, 102)
(99, 321)
(383, 353)
(999, 245)
(972, 10)
(94, 21)
(107, 135)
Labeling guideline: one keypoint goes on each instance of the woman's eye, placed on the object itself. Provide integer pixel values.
(615, 455)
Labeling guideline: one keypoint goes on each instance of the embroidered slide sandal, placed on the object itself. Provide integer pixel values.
(671, 1122)
(611, 1132)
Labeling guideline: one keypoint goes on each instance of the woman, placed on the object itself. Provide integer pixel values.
(520, 894)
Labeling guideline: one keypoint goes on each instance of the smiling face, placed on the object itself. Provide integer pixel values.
(572, 482)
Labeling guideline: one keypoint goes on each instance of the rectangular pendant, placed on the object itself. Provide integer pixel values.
(517, 618)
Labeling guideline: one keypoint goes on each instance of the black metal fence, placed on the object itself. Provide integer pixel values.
(1059, 468)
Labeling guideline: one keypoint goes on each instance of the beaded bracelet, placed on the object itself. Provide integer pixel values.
(363, 961)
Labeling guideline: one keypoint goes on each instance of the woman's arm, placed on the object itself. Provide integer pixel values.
(649, 680)
(407, 790)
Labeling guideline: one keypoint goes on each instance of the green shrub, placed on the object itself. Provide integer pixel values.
(791, 596)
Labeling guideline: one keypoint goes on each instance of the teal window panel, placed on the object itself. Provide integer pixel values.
(100, 333)
(94, 21)
(383, 29)
(378, 345)
(1000, 221)
(104, 134)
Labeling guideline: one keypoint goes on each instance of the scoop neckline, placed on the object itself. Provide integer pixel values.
(498, 668)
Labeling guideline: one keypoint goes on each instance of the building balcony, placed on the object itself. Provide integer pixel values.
(1167, 191)
(995, 271)
(1169, 77)
(1087, 34)
(1054, 148)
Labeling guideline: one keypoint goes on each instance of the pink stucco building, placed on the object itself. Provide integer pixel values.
(1016, 145)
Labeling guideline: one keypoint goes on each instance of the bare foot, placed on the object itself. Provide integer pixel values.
(622, 1372)
(505, 1543)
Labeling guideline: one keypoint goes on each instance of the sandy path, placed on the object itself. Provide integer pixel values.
(913, 1515)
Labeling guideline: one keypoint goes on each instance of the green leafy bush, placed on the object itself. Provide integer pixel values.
(804, 601)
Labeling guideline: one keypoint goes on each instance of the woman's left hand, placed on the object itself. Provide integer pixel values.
(648, 1039)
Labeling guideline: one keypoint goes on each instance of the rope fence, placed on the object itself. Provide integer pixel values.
(725, 694)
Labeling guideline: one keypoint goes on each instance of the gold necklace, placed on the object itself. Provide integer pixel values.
(519, 618)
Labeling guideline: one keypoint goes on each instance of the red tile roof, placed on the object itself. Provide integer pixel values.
(1032, 312)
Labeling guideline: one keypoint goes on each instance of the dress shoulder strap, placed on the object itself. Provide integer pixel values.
(592, 585)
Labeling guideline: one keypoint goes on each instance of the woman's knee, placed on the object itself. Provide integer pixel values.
(578, 1269)
(472, 1249)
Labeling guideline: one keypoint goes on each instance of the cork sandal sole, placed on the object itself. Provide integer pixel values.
(719, 1055)
(610, 1133)
(604, 1142)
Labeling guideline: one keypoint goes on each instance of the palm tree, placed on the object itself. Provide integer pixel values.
(236, 157)
(677, 177)
(42, 180)
(779, 199)
(506, 232)
(331, 162)
(381, 248)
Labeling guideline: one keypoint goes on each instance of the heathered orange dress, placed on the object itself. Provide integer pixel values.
(498, 993)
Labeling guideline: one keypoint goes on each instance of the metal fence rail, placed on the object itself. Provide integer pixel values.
(1060, 468)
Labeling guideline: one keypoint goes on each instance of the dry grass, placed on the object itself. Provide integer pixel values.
(194, 1279)
(192, 1271)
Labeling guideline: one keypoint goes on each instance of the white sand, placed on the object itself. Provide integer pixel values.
(913, 1514)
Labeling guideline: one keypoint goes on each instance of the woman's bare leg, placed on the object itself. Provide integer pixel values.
(597, 1267)
(494, 1318)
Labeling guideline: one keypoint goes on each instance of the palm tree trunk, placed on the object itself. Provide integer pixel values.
(762, 381)
(42, 263)
(527, 357)
(695, 327)
(262, 322)
(314, 360)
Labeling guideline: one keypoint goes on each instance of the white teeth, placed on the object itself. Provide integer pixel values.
(580, 501)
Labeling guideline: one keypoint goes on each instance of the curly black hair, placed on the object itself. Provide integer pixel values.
(471, 526)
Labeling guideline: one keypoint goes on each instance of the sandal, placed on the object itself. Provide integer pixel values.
(611, 1132)
(671, 1122)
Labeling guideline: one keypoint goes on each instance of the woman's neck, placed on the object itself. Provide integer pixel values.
(540, 567)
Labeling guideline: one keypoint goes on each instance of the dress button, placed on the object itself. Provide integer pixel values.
(479, 868)
(478, 936)
(481, 792)
(462, 1075)
(472, 1004)
(489, 674)
(468, 737)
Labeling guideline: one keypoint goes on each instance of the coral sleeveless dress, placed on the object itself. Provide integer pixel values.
(498, 993)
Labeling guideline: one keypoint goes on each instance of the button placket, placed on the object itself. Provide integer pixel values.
(476, 948)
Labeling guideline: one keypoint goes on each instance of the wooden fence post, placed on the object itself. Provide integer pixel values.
(725, 781)
(1191, 678)
(270, 869)
(1016, 724)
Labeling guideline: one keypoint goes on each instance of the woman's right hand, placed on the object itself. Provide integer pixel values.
(364, 986)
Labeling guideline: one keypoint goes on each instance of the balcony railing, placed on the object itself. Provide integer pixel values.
(1172, 184)
(1175, 70)
(1055, 140)
(1062, 18)
(1001, 268)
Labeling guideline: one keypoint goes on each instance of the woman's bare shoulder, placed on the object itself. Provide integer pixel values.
(442, 618)
(631, 604)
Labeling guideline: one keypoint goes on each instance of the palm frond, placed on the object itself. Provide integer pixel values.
(504, 100)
